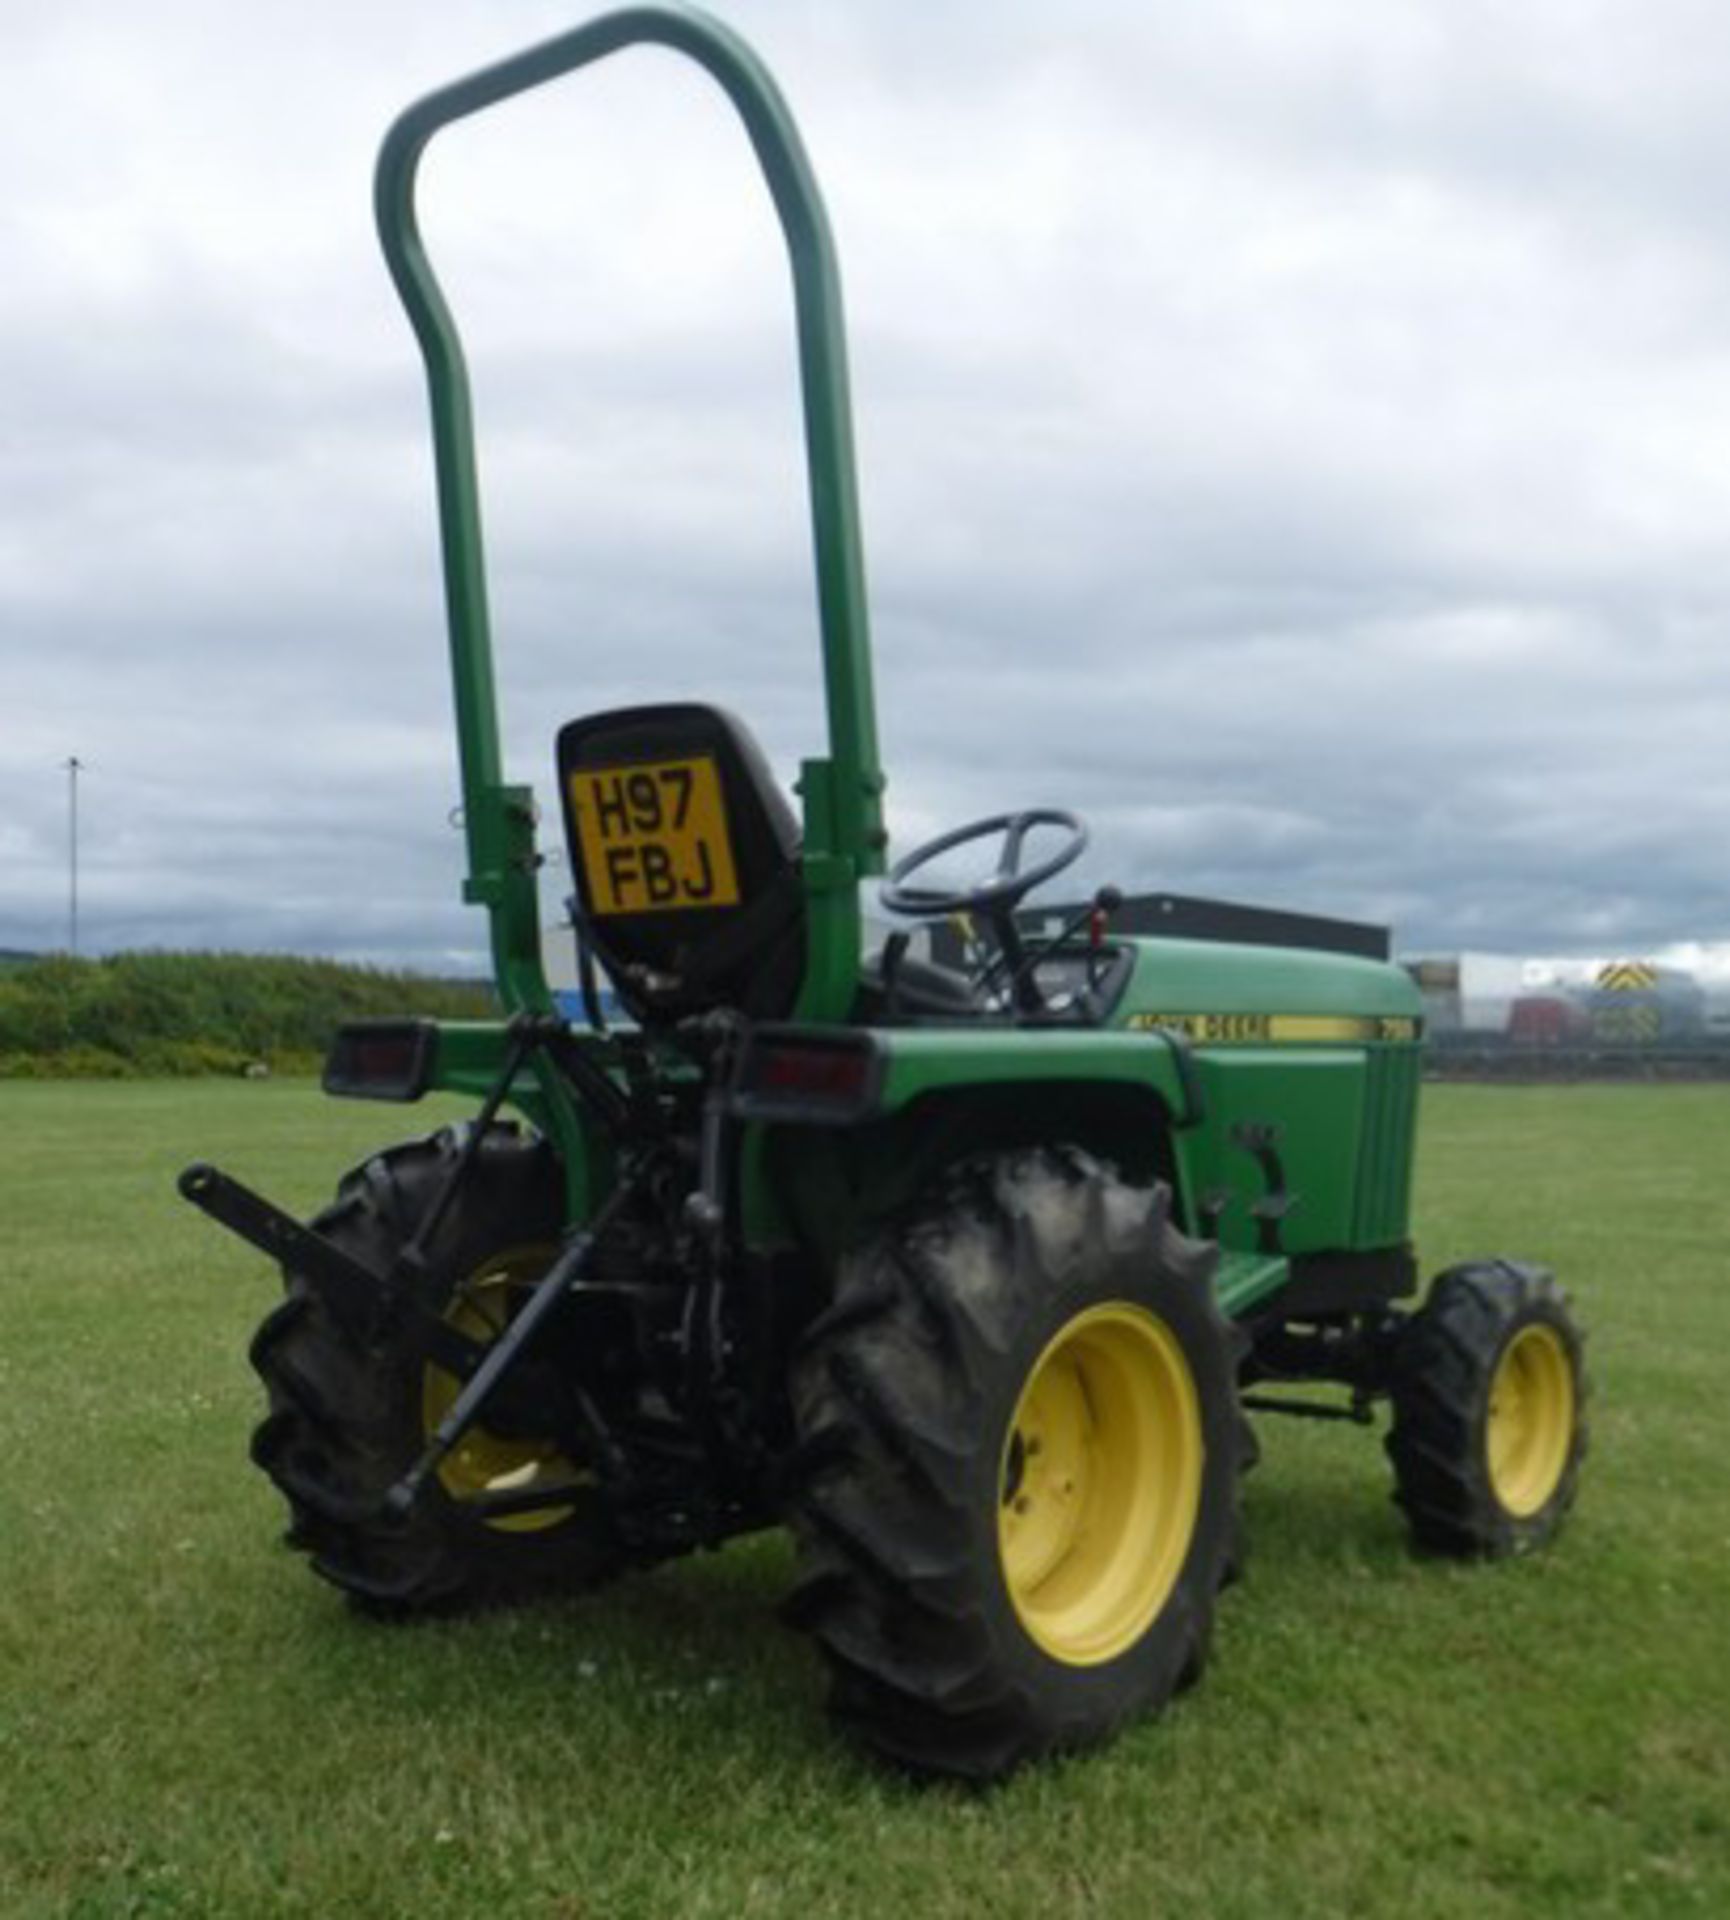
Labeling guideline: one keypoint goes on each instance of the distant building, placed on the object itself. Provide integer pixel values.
(1586, 1004)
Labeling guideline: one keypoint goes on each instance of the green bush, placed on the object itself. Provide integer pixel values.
(174, 1014)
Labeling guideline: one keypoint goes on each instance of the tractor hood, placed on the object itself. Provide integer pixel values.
(1220, 995)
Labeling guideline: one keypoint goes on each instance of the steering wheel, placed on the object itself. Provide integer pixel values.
(997, 898)
(1007, 887)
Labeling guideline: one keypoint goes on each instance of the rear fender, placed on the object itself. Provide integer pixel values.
(832, 1184)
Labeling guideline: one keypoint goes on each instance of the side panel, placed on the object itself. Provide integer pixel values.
(1308, 1065)
(1314, 1104)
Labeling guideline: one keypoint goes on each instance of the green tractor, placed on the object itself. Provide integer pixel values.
(966, 1275)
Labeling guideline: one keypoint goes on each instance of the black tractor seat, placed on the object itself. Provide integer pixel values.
(686, 857)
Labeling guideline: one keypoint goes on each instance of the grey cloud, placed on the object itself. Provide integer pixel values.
(1295, 445)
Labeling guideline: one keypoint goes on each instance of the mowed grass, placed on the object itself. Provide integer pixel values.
(191, 1724)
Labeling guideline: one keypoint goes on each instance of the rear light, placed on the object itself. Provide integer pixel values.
(382, 1060)
(807, 1074)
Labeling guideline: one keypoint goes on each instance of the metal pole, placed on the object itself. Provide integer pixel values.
(72, 768)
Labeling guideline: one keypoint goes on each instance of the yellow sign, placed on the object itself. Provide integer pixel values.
(1628, 976)
(654, 837)
(1280, 1029)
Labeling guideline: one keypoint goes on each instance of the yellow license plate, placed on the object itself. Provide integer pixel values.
(654, 837)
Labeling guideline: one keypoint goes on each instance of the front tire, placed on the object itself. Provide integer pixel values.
(1489, 1398)
(347, 1418)
(1022, 1437)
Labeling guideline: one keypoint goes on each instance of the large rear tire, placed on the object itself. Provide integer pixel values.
(347, 1418)
(1022, 1441)
(1489, 1396)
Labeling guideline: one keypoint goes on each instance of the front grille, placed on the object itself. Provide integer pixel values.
(1385, 1147)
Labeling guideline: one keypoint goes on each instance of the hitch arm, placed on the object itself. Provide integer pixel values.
(357, 1298)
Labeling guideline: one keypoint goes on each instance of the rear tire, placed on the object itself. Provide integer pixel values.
(1022, 1442)
(1489, 1396)
(346, 1419)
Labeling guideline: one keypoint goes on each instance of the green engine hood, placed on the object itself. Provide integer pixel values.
(1220, 995)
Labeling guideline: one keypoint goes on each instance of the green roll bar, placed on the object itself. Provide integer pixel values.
(842, 796)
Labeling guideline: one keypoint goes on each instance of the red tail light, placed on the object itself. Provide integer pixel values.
(809, 1074)
(381, 1060)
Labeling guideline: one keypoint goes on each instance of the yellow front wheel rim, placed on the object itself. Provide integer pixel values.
(1530, 1430)
(485, 1463)
(1100, 1483)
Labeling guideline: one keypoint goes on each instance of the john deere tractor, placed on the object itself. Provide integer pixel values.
(964, 1273)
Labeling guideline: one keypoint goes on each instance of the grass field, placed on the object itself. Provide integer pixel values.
(192, 1725)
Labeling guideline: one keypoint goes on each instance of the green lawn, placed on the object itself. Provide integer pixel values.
(191, 1724)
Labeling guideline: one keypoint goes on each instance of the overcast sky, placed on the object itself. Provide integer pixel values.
(1296, 436)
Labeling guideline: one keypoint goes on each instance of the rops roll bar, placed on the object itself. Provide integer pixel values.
(844, 836)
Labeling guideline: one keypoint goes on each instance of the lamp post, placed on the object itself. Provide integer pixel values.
(73, 767)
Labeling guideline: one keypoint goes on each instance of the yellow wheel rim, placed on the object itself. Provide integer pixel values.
(1100, 1484)
(488, 1463)
(1530, 1430)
